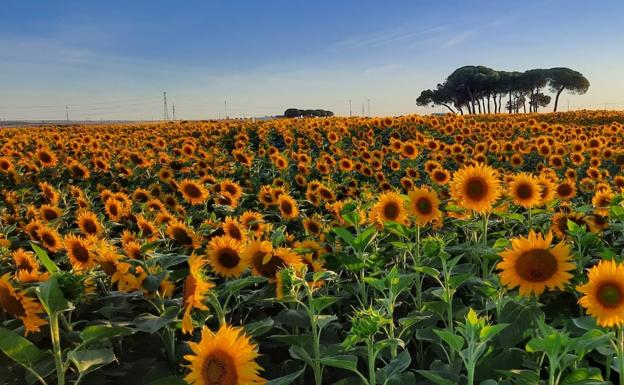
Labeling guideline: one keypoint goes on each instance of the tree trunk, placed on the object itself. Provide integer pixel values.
(472, 100)
(488, 103)
(460, 110)
(557, 97)
(510, 101)
(524, 106)
(495, 105)
(449, 107)
(479, 104)
(500, 101)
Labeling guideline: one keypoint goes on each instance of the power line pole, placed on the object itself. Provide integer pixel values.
(350, 111)
(166, 110)
(174, 118)
(363, 114)
(67, 113)
(225, 108)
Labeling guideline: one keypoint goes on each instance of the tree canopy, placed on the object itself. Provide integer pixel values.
(296, 113)
(480, 89)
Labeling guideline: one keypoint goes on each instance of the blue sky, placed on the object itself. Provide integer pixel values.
(112, 59)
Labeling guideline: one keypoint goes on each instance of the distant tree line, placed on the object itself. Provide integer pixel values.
(296, 113)
(479, 89)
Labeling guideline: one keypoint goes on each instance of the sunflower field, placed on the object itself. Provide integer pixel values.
(408, 250)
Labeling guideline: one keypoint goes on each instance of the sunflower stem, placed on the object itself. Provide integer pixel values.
(620, 352)
(484, 261)
(56, 347)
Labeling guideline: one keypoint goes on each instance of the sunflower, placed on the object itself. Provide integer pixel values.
(89, 223)
(603, 294)
(46, 157)
(148, 229)
(80, 252)
(389, 208)
(183, 235)
(559, 223)
(547, 189)
(533, 265)
(423, 204)
(525, 190)
(602, 202)
(49, 213)
(49, 238)
(287, 206)
(193, 192)
(27, 267)
(476, 187)
(253, 221)
(20, 306)
(566, 190)
(231, 187)
(225, 258)
(196, 287)
(234, 229)
(226, 357)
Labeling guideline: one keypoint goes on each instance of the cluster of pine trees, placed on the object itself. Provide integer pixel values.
(479, 89)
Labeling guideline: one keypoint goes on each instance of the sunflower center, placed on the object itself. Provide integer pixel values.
(192, 191)
(524, 191)
(48, 239)
(89, 226)
(228, 258)
(476, 189)
(80, 252)
(219, 369)
(45, 157)
(181, 236)
(564, 190)
(313, 227)
(235, 233)
(286, 207)
(536, 265)
(424, 206)
(609, 295)
(11, 304)
(391, 211)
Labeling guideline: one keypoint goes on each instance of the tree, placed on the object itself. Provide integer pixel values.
(561, 78)
(539, 100)
(292, 113)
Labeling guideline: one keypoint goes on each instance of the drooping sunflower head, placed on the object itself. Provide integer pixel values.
(390, 207)
(533, 265)
(80, 252)
(182, 234)
(49, 238)
(89, 223)
(476, 187)
(226, 357)
(525, 190)
(20, 306)
(225, 256)
(603, 294)
(288, 206)
(423, 204)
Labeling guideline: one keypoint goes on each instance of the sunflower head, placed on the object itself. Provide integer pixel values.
(225, 256)
(390, 207)
(423, 204)
(603, 294)
(533, 265)
(476, 187)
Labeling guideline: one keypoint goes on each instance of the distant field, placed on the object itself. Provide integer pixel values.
(399, 250)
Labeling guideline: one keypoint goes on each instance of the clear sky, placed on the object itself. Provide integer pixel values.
(113, 59)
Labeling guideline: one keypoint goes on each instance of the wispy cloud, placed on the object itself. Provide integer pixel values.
(385, 38)
(460, 37)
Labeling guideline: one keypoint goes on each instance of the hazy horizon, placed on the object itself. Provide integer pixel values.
(113, 60)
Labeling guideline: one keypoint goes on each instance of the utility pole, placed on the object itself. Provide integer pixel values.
(225, 106)
(174, 118)
(67, 113)
(368, 103)
(166, 110)
(363, 114)
(350, 112)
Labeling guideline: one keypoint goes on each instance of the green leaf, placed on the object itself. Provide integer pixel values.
(397, 366)
(150, 323)
(45, 259)
(454, 341)
(365, 238)
(348, 362)
(345, 235)
(19, 349)
(236, 285)
(102, 332)
(89, 360)
(430, 271)
(437, 377)
(51, 296)
(151, 283)
(489, 331)
(584, 376)
(287, 379)
(259, 328)
(321, 303)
